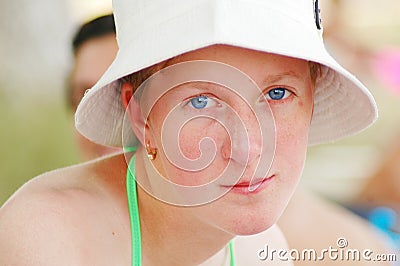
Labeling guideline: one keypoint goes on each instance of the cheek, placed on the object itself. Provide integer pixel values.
(201, 137)
(292, 138)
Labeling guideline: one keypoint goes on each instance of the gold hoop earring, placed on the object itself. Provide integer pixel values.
(151, 152)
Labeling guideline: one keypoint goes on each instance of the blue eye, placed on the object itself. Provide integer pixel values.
(201, 102)
(278, 94)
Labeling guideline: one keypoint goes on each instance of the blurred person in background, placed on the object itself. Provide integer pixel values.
(379, 198)
(94, 48)
(309, 221)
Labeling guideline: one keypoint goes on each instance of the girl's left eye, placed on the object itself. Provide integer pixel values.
(278, 93)
(202, 102)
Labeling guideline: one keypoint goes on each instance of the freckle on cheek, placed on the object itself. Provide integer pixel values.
(190, 148)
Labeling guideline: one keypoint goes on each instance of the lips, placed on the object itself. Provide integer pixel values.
(250, 187)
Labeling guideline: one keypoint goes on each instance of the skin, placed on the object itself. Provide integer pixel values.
(83, 209)
(296, 220)
(241, 213)
(85, 206)
(87, 70)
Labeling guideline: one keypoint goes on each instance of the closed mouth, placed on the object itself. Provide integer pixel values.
(250, 187)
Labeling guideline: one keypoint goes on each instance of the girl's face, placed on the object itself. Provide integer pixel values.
(253, 202)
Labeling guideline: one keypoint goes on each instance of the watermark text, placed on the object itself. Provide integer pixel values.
(340, 252)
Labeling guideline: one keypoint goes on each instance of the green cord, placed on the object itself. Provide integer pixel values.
(130, 149)
(232, 257)
(134, 214)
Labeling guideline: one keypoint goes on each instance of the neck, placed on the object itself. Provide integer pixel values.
(173, 235)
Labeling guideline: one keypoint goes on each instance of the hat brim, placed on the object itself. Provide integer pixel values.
(342, 104)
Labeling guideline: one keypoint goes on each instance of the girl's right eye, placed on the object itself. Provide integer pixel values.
(202, 102)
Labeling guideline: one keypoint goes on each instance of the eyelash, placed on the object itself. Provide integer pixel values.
(210, 99)
(287, 93)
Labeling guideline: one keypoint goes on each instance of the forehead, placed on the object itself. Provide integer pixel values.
(261, 70)
(254, 63)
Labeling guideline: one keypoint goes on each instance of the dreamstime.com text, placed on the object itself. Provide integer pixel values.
(339, 253)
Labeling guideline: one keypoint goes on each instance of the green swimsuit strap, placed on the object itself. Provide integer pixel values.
(134, 216)
(134, 213)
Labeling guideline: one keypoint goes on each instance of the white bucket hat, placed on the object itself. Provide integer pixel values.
(149, 32)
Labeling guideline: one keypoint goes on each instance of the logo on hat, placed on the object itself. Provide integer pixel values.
(317, 15)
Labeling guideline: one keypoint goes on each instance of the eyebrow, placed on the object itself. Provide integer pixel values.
(281, 76)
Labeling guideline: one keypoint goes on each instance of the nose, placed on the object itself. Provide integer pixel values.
(244, 142)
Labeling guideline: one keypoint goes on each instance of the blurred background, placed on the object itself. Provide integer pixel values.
(36, 125)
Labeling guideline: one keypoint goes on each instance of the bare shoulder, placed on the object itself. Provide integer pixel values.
(61, 218)
(310, 222)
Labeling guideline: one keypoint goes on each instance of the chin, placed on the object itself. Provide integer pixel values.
(248, 227)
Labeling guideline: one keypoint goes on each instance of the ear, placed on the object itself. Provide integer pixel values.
(132, 106)
(126, 94)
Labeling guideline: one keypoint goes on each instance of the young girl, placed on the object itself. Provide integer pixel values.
(215, 103)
